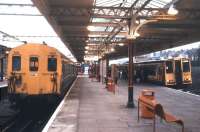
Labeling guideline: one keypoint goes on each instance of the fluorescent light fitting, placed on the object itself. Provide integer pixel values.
(121, 44)
(136, 34)
(137, 21)
(112, 49)
(90, 28)
(172, 10)
(94, 35)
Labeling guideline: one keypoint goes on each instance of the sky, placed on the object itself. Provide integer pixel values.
(29, 26)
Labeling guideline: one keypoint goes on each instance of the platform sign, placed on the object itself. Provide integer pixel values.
(102, 69)
(114, 72)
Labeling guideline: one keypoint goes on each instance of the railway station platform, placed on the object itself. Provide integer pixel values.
(3, 89)
(91, 108)
(3, 83)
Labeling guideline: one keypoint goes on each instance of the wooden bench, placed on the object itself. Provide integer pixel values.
(157, 109)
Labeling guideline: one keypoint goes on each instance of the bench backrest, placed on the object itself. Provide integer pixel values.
(155, 106)
(159, 111)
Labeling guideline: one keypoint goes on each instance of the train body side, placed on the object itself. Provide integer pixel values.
(155, 72)
(183, 74)
(170, 72)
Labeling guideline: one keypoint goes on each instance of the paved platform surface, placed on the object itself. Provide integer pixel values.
(3, 83)
(91, 108)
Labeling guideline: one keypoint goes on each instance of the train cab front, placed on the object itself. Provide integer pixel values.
(186, 75)
(32, 73)
(15, 76)
(169, 74)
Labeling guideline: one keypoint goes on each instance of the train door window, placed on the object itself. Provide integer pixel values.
(178, 72)
(33, 64)
(169, 66)
(160, 69)
(186, 66)
(16, 63)
(52, 64)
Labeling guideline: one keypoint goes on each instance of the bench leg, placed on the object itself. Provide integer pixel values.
(138, 110)
(154, 123)
(183, 128)
(161, 120)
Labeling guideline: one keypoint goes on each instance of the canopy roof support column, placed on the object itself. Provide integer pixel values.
(130, 103)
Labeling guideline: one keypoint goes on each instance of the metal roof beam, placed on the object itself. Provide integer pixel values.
(62, 9)
(97, 24)
(97, 42)
(10, 4)
(168, 30)
(117, 30)
(103, 24)
(91, 33)
(100, 12)
(85, 39)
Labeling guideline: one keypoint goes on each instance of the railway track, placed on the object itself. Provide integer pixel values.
(31, 118)
(192, 89)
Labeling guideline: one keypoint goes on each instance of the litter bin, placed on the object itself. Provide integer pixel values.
(111, 85)
(145, 112)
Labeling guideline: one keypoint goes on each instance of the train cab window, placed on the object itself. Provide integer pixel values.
(52, 64)
(169, 67)
(33, 65)
(16, 63)
(186, 66)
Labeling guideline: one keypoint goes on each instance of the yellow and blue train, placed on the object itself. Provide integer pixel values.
(37, 70)
(170, 72)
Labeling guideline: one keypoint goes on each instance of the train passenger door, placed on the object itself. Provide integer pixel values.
(48, 71)
(16, 84)
(169, 74)
(33, 74)
(160, 73)
(186, 71)
(52, 69)
(178, 72)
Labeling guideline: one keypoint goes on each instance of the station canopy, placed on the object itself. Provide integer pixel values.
(95, 28)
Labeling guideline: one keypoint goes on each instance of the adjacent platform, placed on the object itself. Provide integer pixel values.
(3, 89)
(91, 108)
(3, 83)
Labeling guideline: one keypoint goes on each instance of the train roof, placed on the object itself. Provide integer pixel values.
(155, 61)
(64, 58)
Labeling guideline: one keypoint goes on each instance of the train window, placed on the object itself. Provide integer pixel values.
(169, 67)
(33, 65)
(186, 67)
(16, 63)
(52, 64)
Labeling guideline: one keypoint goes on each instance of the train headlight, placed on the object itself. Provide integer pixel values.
(52, 77)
